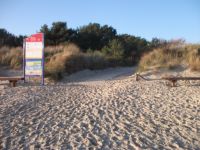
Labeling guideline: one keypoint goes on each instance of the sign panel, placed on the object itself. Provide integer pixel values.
(34, 46)
(33, 67)
(34, 56)
(34, 50)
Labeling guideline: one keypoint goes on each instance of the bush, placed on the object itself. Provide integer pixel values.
(55, 66)
(70, 59)
(97, 60)
(56, 61)
(114, 49)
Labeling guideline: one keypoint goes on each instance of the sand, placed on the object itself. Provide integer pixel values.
(116, 113)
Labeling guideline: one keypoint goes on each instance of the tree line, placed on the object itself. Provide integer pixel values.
(94, 37)
(8, 39)
(91, 37)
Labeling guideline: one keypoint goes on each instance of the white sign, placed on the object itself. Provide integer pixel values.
(34, 50)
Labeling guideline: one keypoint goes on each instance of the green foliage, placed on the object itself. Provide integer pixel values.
(134, 46)
(115, 49)
(8, 39)
(157, 43)
(94, 36)
(58, 33)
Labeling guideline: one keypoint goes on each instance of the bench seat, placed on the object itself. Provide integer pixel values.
(12, 80)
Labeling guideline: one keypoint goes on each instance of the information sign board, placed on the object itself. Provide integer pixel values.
(34, 56)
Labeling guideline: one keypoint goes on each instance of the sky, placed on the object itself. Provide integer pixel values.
(165, 19)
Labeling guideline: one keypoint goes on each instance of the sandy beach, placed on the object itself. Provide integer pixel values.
(114, 112)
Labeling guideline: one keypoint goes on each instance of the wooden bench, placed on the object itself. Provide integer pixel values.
(12, 80)
(172, 79)
(175, 79)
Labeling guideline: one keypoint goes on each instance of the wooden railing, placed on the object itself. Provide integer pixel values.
(173, 79)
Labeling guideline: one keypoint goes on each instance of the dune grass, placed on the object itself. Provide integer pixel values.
(69, 59)
(60, 59)
(11, 57)
(172, 56)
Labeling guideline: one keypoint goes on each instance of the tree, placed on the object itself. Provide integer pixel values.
(47, 35)
(134, 46)
(58, 33)
(93, 36)
(156, 42)
(8, 39)
(108, 34)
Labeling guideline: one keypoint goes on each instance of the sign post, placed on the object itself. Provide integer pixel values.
(24, 58)
(34, 56)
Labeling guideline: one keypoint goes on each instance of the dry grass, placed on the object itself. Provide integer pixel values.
(70, 59)
(193, 58)
(11, 57)
(58, 60)
(172, 56)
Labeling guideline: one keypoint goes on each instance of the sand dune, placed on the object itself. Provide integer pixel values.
(113, 114)
(100, 75)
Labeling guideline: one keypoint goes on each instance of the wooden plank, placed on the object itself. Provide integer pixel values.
(181, 78)
(11, 78)
(172, 79)
(175, 79)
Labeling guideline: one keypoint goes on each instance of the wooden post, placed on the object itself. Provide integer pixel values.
(173, 82)
(137, 77)
(12, 83)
